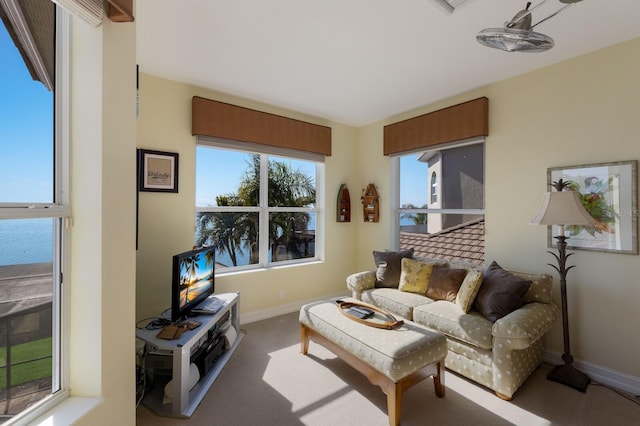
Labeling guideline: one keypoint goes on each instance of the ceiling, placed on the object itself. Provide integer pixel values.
(358, 61)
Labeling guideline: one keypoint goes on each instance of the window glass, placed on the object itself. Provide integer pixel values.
(234, 234)
(31, 232)
(292, 182)
(452, 179)
(223, 178)
(247, 230)
(434, 188)
(26, 130)
(291, 236)
(413, 181)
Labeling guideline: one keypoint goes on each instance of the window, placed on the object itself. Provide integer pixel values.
(257, 209)
(434, 188)
(452, 179)
(33, 204)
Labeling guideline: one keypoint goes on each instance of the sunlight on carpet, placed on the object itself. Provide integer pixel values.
(313, 384)
(487, 399)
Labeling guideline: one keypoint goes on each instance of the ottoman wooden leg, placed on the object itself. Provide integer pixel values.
(304, 340)
(394, 404)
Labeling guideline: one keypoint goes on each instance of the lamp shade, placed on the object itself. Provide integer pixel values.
(562, 208)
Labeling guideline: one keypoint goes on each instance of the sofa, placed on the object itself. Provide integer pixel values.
(493, 319)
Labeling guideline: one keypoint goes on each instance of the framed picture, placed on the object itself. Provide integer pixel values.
(608, 191)
(158, 171)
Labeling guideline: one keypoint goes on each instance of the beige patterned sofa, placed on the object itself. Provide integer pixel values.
(499, 353)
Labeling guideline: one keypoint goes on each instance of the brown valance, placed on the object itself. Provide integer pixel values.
(458, 122)
(222, 120)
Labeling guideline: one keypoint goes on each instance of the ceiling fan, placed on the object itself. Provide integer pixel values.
(517, 34)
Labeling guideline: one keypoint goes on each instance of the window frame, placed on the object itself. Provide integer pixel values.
(263, 209)
(58, 209)
(397, 211)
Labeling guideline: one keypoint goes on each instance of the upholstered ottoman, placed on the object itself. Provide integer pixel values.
(394, 359)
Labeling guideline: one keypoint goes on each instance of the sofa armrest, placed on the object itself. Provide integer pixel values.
(361, 281)
(524, 326)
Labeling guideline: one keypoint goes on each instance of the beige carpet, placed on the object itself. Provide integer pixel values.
(268, 382)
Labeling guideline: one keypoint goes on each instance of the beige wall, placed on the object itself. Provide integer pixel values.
(166, 224)
(578, 112)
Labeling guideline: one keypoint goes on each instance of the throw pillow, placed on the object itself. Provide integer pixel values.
(468, 290)
(415, 275)
(500, 294)
(388, 266)
(445, 283)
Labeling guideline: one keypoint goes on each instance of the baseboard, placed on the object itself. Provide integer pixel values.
(263, 314)
(605, 376)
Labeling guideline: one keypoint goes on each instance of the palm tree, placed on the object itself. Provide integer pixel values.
(235, 232)
(190, 265)
(416, 218)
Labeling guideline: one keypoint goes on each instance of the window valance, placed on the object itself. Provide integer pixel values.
(459, 122)
(222, 120)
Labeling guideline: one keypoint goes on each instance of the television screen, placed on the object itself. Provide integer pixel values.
(193, 280)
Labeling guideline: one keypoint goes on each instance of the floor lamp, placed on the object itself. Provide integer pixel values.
(561, 208)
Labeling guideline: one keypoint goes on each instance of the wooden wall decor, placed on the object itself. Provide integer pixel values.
(370, 204)
(343, 204)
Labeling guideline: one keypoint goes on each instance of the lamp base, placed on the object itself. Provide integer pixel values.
(569, 376)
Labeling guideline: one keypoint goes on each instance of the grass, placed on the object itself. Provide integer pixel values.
(29, 371)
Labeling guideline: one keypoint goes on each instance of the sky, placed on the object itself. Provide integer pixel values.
(26, 130)
(219, 172)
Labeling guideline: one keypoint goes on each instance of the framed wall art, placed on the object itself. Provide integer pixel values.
(608, 191)
(158, 171)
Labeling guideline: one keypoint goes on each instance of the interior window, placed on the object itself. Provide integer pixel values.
(257, 209)
(32, 208)
(452, 180)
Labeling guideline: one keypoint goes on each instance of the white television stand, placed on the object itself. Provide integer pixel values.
(185, 400)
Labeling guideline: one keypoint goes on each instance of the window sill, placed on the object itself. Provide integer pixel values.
(68, 412)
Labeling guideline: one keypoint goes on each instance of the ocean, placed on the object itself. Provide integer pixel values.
(24, 241)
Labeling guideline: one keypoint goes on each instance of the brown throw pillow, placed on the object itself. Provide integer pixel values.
(501, 293)
(389, 267)
(445, 283)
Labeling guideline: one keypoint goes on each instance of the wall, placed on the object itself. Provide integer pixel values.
(166, 221)
(101, 285)
(581, 111)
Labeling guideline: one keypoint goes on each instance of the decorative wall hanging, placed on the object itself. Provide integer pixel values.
(343, 204)
(608, 191)
(158, 171)
(370, 204)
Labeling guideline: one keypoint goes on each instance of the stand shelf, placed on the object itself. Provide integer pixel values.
(371, 204)
(344, 204)
(185, 400)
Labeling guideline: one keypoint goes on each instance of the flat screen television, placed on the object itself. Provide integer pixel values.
(193, 280)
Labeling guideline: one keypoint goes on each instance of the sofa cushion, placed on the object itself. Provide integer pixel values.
(450, 320)
(389, 267)
(415, 276)
(501, 293)
(445, 283)
(468, 290)
(397, 302)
